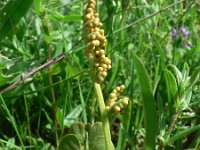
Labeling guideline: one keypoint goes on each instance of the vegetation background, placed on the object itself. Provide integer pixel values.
(38, 112)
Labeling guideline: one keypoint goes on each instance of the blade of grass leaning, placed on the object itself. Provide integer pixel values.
(10, 15)
(150, 114)
(183, 133)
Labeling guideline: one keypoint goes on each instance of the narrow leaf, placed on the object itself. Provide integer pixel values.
(150, 114)
(38, 8)
(72, 116)
(195, 76)
(177, 72)
(173, 88)
(184, 133)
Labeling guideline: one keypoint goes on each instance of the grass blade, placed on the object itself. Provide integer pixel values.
(151, 120)
(183, 133)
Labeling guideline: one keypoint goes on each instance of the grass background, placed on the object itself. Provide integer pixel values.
(33, 32)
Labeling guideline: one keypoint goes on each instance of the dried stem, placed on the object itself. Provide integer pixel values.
(47, 64)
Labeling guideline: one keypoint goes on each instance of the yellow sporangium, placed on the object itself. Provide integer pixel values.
(96, 42)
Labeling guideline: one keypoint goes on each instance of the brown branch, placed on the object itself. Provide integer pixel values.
(45, 65)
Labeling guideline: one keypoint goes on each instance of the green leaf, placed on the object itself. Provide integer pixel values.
(59, 116)
(78, 128)
(11, 14)
(150, 114)
(38, 8)
(172, 86)
(96, 137)
(59, 17)
(5, 78)
(177, 72)
(184, 133)
(5, 62)
(69, 142)
(185, 71)
(172, 82)
(195, 76)
(185, 102)
(72, 116)
(72, 18)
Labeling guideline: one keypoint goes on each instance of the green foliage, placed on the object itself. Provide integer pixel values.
(181, 86)
(84, 137)
(160, 73)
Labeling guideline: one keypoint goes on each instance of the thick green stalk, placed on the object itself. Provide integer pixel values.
(105, 122)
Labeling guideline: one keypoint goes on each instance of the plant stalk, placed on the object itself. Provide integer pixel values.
(105, 121)
(174, 118)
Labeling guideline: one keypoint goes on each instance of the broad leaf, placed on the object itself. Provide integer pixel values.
(78, 128)
(70, 142)
(96, 137)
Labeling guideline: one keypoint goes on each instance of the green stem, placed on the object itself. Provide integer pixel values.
(174, 118)
(105, 121)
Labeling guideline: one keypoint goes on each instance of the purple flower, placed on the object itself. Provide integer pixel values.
(188, 43)
(182, 30)
(182, 34)
(186, 33)
(173, 32)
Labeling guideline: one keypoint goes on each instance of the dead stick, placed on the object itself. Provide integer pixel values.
(47, 64)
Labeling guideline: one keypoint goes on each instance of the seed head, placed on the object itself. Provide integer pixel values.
(96, 42)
